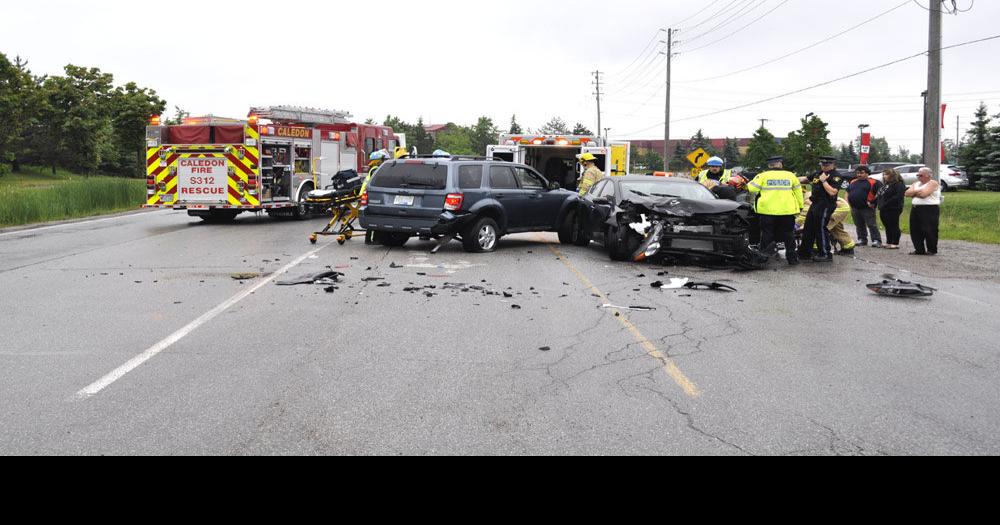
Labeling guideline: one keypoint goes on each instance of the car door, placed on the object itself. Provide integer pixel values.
(543, 204)
(600, 202)
(515, 202)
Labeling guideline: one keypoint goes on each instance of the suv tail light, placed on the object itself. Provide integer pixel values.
(453, 202)
(364, 199)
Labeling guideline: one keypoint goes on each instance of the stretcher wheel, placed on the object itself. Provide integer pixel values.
(349, 235)
(341, 240)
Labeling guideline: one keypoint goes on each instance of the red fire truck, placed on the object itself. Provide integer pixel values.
(217, 168)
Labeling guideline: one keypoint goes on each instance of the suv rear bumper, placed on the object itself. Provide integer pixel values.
(447, 223)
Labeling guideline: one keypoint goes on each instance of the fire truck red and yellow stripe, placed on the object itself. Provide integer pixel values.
(243, 166)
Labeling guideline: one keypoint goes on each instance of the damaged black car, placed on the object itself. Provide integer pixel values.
(668, 220)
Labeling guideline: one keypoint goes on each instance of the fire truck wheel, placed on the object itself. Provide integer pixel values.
(301, 212)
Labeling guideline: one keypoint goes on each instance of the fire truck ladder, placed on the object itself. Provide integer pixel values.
(299, 115)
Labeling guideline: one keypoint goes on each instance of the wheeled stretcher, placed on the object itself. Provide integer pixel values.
(343, 199)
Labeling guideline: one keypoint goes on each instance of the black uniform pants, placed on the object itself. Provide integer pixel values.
(925, 222)
(815, 232)
(778, 228)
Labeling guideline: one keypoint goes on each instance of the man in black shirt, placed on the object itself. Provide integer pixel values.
(862, 194)
(825, 189)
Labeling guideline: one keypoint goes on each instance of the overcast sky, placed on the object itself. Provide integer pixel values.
(457, 60)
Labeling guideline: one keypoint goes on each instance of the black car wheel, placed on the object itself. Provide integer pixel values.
(483, 236)
(571, 231)
(620, 244)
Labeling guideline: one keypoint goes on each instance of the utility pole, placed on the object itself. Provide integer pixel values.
(607, 134)
(666, 119)
(597, 83)
(763, 121)
(932, 120)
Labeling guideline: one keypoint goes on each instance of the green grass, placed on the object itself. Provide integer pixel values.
(36, 195)
(965, 216)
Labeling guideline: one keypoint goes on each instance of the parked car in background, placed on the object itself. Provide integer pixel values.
(951, 179)
(879, 167)
(474, 199)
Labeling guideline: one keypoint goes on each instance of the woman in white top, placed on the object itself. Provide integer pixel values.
(925, 218)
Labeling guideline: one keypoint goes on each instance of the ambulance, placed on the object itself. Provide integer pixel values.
(554, 156)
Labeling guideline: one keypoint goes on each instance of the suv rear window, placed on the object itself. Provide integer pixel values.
(416, 176)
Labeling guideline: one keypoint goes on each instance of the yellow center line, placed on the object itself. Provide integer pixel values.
(668, 364)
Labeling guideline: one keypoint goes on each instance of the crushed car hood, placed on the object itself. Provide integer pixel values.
(684, 207)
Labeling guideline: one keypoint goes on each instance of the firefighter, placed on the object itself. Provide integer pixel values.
(375, 161)
(835, 226)
(400, 152)
(716, 173)
(826, 185)
(779, 203)
(591, 173)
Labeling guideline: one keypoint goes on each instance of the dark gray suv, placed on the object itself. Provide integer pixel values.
(475, 199)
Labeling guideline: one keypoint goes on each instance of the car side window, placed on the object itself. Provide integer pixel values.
(607, 191)
(502, 178)
(470, 177)
(528, 180)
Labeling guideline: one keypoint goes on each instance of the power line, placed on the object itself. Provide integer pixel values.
(711, 17)
(793, 53)
(702, 10)
(642, 53)
(822, 84)
(742, 10)
(734, 33)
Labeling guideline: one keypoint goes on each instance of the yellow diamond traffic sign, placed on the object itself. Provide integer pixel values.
(699, 157)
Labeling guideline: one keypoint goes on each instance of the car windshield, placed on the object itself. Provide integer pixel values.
(412, 175)
(666, 188)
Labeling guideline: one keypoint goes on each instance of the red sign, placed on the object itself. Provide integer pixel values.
(866, 147)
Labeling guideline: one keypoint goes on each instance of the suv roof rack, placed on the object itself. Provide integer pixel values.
(449, 157)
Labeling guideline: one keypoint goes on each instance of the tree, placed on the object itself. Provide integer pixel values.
(20, 102)
(880, 151)
(131, 107)
(179, 116)
(679, 162)
(646, 160)
(977, 144)
(762, 147)
(75, 110)
(483, 135)
(456, 140)
(731, 153)
(699, 140)
(989, 174)
(904, 155)
(580, 129)
(515, 128)
(803, 148)
(847, 154)
(556, 126)
(418, 137)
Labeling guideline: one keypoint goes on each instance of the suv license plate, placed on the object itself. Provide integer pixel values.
(403, 200)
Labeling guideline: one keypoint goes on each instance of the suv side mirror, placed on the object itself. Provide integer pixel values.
(554, 186)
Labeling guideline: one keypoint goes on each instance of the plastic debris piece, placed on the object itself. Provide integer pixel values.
(899, 288)
(718, 287)
(629, 308)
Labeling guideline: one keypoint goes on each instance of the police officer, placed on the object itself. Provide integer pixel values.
(591, 173)
(779, 203)
(826, 185)
(716, 174)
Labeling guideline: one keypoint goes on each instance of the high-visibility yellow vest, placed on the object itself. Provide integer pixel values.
(780, 193)
(726, 175)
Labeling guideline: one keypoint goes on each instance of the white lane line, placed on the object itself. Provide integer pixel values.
(150, 353)
(28, 231)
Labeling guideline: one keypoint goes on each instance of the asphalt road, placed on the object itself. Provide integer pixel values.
(802, 361)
